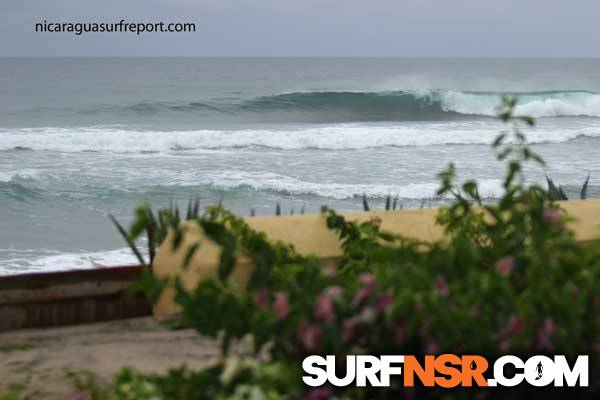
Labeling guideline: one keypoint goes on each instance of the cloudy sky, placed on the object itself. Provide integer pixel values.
(398, 28)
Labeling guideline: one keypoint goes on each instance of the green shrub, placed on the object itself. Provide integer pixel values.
(508, 278)
(11, 393)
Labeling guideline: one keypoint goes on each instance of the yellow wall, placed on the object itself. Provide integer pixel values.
(309, 235)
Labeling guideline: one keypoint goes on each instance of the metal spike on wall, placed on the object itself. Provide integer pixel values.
(196, 207)
(562, 193)
(388, 201)
(278, 210)
(188, 213)
(365, 203)
(556, 193)
(395, 203)
(584, 188)
(252, 212)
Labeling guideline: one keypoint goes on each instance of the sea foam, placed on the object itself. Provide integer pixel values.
(327, 137)
(58, 261)
(236, 180)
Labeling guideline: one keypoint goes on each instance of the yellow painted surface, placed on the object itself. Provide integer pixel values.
(310, 235)
(586, 215)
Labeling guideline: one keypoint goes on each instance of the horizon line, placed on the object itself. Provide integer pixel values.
(303, 57)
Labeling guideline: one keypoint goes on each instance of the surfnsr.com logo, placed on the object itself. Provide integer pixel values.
(446, 371)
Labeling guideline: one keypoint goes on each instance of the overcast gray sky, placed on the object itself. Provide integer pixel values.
(398, 28)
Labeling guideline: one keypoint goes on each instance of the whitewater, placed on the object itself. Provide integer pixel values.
(80, 139)
(332, 137)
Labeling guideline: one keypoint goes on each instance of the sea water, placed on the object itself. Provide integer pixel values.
(81, 138)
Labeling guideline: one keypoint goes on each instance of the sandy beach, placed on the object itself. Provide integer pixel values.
(44, 360)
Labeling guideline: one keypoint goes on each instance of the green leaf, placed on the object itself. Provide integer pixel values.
(129, 241)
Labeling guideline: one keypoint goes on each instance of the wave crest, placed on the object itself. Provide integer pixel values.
(239, 180)
(344, 106)
(328, 137)
(428, 105)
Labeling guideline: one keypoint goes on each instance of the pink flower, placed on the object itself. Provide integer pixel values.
(361, 295)
(329, 270)
(262, 298)
(505, 265)
(334, 291)
(310, 335)
(441, 286)
(367, 279)
(482, 395)
(419, 304)
(545, 331)
(78, 396)
(319, 393)
(551, 216)
(281, 305)
(512, 327)
(410, 393)
(596, 348)
(324, 308)
(573, 289)
(368, 315)
(350, 328)
(399, 331)
(431, 346)
(385, 301)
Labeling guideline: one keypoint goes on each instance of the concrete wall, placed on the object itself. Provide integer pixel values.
(72, 297)
(69, 297)
(310, 235)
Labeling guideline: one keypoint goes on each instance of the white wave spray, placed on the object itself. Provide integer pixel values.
(331, 137)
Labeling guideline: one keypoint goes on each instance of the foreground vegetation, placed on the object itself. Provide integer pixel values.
(509, 278)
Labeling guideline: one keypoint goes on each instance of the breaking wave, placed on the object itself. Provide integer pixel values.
(361, 106)
(19, 261)
(240, 180)
(328, 137)
(429, 105)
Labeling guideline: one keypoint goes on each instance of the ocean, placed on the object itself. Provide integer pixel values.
(82, 138)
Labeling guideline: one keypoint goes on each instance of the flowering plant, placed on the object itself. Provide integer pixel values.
(508, 277)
